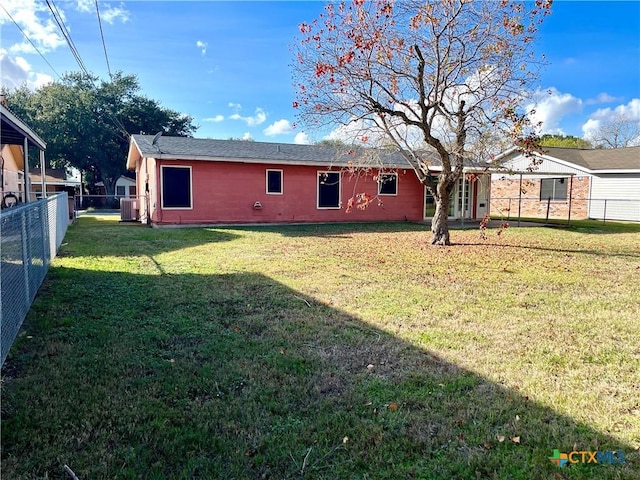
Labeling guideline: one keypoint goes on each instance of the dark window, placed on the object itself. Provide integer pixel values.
(132, 190)
(274, 181)
(388, 184)
(120, 190)
(554, 188)
(176, 187)
(328, 190)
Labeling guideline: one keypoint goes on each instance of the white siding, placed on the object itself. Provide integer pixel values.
(546, 168)
(126, 183)
(622, 195)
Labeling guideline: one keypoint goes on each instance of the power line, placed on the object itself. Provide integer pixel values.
(104, 45)
(67, 36)
(24, 34)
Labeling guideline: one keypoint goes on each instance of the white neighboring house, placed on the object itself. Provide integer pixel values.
(126, 187)
(592, 183)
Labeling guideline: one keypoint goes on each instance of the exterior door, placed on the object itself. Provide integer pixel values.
(482, 196)
(430, 204)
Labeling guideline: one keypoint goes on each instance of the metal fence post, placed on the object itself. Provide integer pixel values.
(26, 258)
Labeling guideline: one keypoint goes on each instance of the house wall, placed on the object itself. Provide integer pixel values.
(11, 178)
(622, 194)
(505, 191)
(146, 188)
(225, 192)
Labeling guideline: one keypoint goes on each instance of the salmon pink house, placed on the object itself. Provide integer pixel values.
(183, 180)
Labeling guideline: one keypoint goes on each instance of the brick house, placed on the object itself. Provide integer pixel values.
(568, 183)
(184, 180)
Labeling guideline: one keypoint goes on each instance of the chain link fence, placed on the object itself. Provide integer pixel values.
(516, 208)
(30, 235)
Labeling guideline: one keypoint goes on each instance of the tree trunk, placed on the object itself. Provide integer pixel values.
(440, 221)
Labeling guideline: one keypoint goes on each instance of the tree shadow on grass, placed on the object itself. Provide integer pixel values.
(238, 376)
(134, 238)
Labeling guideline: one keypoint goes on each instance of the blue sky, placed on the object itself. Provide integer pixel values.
(227, 63)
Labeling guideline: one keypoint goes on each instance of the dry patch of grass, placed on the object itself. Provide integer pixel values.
(335, 351)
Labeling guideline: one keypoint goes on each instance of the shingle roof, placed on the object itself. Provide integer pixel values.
(598, 159)
(188, 148)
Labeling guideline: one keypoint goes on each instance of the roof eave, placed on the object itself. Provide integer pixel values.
(22, 127)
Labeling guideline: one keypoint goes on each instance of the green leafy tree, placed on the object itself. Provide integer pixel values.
(564, 141)
(438, 79)
(86, 122)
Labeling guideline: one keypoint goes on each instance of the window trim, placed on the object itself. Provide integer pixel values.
(395, 175)
(318, 175)
(190, 207)
(562, 180)
(266, 176)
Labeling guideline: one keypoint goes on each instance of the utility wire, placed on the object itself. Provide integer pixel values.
(24, 34)
(104, 45)
(67, 36)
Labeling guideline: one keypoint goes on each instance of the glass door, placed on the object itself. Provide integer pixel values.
(430, 204)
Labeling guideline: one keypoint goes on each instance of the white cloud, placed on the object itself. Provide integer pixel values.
(111, 14)
(602, 98)
(550, 107)
(235, 106)
(247, 136)
(202, 46)
(302, 138)
(281, 127)
(16, 71)
(629, 112)
(258, 118)
(216, 119)
(33, 18)
(108, 13)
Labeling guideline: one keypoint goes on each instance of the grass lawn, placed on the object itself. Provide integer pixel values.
(328, 352)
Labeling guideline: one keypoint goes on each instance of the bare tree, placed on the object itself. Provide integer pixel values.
(435, 77)
(619, 131)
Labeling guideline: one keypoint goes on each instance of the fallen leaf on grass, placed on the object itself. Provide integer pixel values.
(515, 439)
(500, 438)
(393, 406)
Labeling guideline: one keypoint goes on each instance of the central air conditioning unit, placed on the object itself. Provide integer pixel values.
(129, 209)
